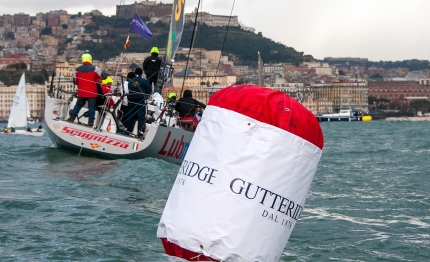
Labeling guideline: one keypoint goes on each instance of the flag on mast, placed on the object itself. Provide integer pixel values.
(138, 26)
(127, 42)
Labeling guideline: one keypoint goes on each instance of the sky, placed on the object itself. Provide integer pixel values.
(387, 30)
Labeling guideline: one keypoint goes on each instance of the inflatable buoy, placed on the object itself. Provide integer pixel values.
(244, 180)
(366, 118)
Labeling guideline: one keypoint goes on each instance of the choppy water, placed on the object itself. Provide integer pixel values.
(370, 200)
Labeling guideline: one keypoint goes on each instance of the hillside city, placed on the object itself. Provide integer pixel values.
(32, 44)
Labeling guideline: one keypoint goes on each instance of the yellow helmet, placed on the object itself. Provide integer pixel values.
(172, 95)
(155, 50)
(108, 80)
(87, 58)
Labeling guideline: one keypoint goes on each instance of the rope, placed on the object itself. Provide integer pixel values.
(225, 37)
(136, 104)
(189, 51)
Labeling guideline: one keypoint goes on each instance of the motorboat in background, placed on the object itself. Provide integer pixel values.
(343, 115)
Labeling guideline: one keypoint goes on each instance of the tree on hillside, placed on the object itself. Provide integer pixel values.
(46, 31)
(10, 35)
(91, 28)
(371, 100)
(18, 66)
(38, 79)
(376, 76)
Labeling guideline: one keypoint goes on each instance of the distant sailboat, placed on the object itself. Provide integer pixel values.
(19, 111)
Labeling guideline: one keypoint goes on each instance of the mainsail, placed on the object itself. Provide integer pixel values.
(176, 28)
(18, 111)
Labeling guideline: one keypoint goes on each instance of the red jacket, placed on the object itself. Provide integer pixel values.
(106, 90)
(86, 77)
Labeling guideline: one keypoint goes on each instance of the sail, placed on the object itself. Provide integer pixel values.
(260, 70)
(18, 111)
(176, 28)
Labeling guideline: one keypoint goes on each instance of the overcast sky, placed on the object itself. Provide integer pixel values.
(374, 29)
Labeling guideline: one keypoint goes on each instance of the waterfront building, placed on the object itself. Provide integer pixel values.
(11, 59)
(343, 95)
(193, 80)
(400, 90)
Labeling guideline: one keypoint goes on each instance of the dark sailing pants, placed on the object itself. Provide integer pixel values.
(135, 112)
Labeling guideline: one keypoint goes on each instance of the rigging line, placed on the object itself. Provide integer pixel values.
(201, 46)
(189, 51)
(116, 20)
(135, 35)
(123, 53)
(225, 37)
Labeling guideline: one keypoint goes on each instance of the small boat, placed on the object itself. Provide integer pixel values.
(343, 115)
(17, 122)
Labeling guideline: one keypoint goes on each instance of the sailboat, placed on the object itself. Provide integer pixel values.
(163, 139)
(18, 113)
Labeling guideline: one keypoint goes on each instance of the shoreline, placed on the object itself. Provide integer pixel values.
(412, 118)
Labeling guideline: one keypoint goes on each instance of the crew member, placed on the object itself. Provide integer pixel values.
(139, 90)
(151, 65)
(186, 106)
(124, 105)
(86, 77)
(107, 88)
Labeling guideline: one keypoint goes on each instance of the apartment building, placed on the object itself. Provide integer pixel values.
(343, 95)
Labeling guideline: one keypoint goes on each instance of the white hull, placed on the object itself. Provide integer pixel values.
(27, 133)
(343, 115)
(160, 141)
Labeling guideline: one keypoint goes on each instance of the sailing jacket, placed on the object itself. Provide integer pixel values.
(139, 90)
(186, 106)
(86, 77)
(151, 65)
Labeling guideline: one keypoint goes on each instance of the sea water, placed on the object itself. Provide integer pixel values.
(369, 201)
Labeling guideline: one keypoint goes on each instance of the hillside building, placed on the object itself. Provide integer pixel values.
(144, 9)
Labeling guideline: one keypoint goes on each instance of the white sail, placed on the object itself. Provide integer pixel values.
(18, 111)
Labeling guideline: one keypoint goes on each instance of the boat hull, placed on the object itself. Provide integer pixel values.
(27, 133)
(337, 119)
(160, 141)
